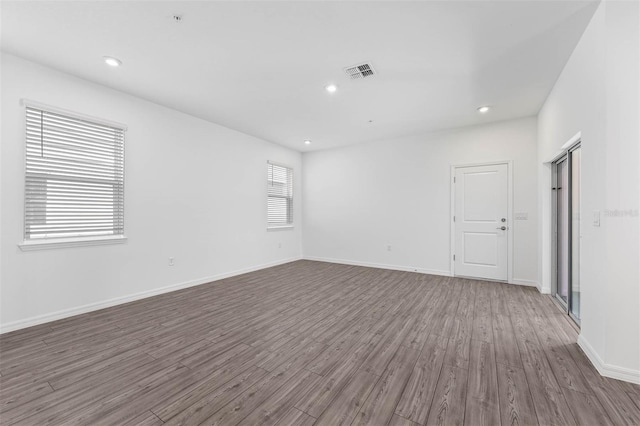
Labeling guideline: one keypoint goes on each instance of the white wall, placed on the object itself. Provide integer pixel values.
(194, 190)
(359, 199)
(597, 95)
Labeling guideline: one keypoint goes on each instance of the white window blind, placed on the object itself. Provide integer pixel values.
(74, 177)
(279, 195)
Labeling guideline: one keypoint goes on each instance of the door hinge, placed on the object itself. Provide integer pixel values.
(454, 257)
(454, 218)
(454, 179)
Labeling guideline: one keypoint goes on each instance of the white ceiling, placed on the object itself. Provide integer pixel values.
(261, 67)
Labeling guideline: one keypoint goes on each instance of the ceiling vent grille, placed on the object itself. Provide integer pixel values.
(360, 71)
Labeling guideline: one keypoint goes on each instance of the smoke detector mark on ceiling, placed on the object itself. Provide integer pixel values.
(360, 71)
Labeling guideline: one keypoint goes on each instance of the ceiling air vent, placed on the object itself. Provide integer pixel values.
(356, 72)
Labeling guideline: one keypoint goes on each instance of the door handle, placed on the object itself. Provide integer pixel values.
(502, 228)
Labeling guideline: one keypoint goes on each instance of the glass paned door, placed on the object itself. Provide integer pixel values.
(566, 187)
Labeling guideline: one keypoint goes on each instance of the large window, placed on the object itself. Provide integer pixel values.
(74, 185)
(279, 196)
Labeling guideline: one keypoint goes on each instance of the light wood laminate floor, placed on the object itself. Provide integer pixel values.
(311, 343)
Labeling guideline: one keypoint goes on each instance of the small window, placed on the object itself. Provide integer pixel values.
(74, 178)
(279, 196)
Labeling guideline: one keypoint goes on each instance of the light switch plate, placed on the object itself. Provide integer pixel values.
(596, 218)
(522, 216)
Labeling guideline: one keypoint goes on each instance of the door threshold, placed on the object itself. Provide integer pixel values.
(575, 323)
(481, 279)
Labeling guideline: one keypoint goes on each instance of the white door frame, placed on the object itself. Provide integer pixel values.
(452, 237)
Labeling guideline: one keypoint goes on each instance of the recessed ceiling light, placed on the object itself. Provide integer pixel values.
(112, 62)
(331, 88)
(307, 142)
(484, 109)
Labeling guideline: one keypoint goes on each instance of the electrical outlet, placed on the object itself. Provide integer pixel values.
(171, 261)
(388, 248)
(279, 245)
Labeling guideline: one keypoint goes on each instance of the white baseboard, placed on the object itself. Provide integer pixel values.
(527, 283)
(65, 313)
(379, 265)
(542, 289)
(608, 370)
(515, 281)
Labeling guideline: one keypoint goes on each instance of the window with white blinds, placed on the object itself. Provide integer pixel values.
(279, 196)
(74, 177)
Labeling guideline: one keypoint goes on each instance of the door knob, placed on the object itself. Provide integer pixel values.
(503, 228)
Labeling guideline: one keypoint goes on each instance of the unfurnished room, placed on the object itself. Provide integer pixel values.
(311, 212)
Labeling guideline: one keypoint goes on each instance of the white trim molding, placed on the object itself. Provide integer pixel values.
(53, 316)
(572, 141)
(280, 228)
(514, 281)
(608, 370)
(544, 290)
(379, 265)
(564, 148)
(528, 283)
(71, 242)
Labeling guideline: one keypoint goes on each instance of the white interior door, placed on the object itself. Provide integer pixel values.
(481, 224)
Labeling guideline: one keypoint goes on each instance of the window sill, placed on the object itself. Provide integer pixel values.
(70, 242)
(279, 228)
